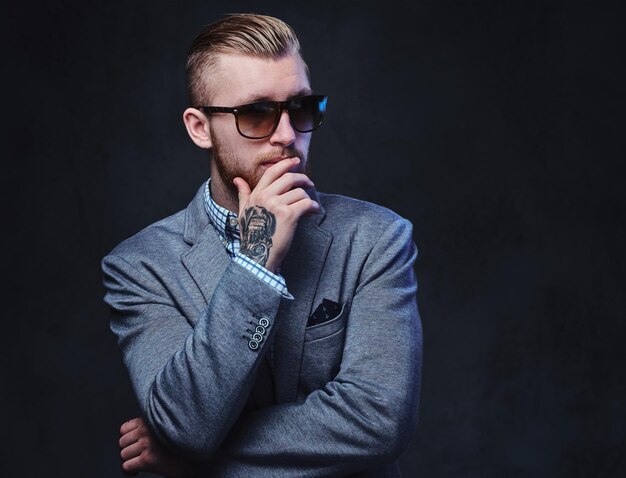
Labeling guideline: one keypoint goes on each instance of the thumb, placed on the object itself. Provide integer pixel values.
(243, 189)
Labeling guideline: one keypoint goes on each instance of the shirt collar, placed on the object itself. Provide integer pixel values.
(224, 221)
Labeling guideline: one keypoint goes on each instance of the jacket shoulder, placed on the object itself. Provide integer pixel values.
(158, 239)
(346, 211)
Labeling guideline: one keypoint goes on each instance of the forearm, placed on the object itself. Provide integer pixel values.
(192, 383)
(334, 432)
(368, 412)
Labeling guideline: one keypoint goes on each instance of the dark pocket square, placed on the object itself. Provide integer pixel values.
(326, 311)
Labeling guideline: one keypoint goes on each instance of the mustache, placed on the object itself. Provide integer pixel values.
(286, 152)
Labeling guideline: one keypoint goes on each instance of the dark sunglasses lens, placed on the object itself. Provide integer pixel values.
(307, 113)
(257, 120)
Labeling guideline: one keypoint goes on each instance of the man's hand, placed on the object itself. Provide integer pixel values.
(269, 214)
(142, 452)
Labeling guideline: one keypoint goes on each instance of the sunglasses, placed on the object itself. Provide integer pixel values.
(259, 120)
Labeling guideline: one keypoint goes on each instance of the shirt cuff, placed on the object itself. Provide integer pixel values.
(274, 280)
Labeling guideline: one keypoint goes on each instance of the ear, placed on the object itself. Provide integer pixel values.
(197, 126)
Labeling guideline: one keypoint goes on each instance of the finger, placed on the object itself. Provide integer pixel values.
(132, 466)
(275, 171)
(287, 182)
(130, 425)
(132, 451)
(292, 196)
(243, 190)
(130, 437)
(305, 206)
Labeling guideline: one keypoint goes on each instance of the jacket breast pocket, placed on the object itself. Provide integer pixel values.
(323, 350)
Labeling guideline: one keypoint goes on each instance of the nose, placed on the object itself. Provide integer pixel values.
(284, 133)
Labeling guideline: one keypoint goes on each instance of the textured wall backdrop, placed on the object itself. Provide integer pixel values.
(495, 129)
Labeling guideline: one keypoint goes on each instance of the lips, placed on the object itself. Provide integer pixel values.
(270, 162)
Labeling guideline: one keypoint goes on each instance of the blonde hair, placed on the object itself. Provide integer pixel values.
(242, 33)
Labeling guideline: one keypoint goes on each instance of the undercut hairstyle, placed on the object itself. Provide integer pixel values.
(249, 34)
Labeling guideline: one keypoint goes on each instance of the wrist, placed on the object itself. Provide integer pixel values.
(272, 266)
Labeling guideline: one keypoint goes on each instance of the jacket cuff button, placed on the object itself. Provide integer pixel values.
(264, 322)
(253, 344)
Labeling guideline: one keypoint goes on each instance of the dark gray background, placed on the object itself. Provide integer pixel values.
(496, 129)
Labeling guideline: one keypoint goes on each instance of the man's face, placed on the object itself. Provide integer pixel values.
(242, 80)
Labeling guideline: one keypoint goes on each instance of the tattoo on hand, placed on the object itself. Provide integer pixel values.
(257, 228)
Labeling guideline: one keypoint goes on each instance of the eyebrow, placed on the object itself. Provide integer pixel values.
(261, 97)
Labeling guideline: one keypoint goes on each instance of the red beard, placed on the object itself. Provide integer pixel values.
(229, 169)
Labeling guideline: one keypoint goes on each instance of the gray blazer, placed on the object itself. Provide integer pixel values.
(338, 399)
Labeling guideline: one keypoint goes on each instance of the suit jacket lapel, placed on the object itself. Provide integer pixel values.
(207, 260)
(301, 270)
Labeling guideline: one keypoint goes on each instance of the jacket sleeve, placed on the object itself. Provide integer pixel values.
(367, 414)
(191, 382)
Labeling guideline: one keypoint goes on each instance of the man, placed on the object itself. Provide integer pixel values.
(268, 329)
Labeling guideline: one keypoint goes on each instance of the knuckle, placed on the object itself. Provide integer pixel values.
(272, 202)
(141, 459)
(147, 457)
(289, 213)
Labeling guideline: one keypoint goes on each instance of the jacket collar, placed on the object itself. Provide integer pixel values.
(196, 218)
